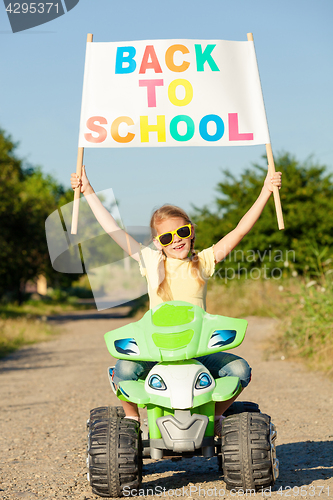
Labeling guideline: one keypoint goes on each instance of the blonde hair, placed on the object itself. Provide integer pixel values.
(172, 212)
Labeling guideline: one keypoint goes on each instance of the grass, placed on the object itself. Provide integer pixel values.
(308, 327)
(26, 324)
(16, 332)
(37, 308)
(303, 309)
(240, 298)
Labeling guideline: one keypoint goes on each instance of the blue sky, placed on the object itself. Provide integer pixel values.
(41, 87)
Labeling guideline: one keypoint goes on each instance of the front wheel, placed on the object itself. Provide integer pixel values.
(114, 456)
(248, 451)
(104, 413)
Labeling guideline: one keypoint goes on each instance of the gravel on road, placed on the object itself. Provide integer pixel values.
(48, 389)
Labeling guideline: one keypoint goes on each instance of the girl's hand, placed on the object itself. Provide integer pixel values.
(273, 181)
(84, 183)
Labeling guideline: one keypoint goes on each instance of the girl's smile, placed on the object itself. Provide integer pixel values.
(179, 248)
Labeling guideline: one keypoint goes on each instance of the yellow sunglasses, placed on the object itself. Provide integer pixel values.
(183, 232)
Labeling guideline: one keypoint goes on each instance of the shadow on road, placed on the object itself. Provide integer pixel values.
(305, 462)
(127, 310)
(300, 464)
(29, 358)
(90, 314)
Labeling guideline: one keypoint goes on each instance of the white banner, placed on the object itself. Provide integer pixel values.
(172, 93)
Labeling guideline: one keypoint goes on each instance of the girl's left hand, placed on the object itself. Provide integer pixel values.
(273, 181)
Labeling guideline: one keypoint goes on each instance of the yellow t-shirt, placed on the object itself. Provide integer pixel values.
(182, 284)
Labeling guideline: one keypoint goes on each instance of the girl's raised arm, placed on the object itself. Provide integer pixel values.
(108, 223)
(231, 240)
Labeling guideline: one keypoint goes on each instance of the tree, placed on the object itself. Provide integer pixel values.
(27, 197)
(307, 203)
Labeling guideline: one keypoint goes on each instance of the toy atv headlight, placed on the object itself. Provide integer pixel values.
(156, 382)
(203, 381)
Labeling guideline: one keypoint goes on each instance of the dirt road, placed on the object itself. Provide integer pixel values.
(48, 389)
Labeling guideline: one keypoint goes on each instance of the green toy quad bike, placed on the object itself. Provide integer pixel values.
(180, 396)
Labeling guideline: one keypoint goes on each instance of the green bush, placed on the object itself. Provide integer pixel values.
(307, 204)
(27, 198)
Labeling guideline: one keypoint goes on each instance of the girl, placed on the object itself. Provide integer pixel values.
(174, 275)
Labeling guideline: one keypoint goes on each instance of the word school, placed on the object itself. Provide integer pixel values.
(94, 125)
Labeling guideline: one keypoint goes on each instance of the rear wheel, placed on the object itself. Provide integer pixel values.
(114, 456)
(248, 451)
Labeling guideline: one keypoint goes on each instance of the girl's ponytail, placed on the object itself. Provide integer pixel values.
(163, 290)
(195, 265)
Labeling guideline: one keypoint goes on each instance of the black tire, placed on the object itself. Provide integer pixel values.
(114, 456)
(104, 413)
(235, 408)
(246, 450)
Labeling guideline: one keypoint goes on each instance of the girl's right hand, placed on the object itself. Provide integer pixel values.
(84, 183)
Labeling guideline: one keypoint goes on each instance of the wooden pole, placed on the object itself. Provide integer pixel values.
(79, 163)
(276, 194)
(271, 171)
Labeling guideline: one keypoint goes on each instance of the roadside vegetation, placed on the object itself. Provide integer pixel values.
(302, 309)
(17, 332)
(27, 323)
